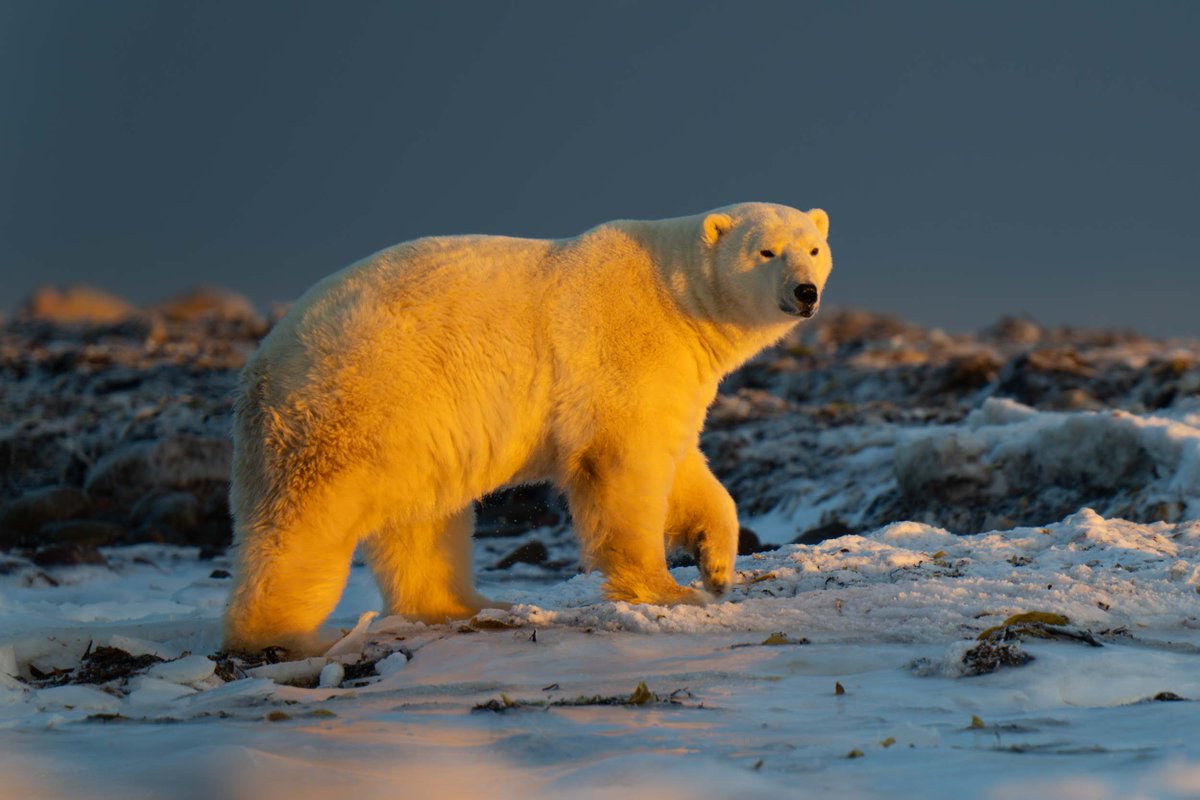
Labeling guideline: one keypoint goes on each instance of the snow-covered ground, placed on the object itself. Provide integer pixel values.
(887, 617)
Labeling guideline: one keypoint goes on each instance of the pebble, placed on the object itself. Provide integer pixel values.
(304, 671)
(391, 665)
(533, 552)
(332, 675)
(67, 555)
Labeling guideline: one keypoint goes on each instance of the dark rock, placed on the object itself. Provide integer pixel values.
(21, 519)
(533, 552)
(209, 553)
(968, 374)
(1032, 376)
(24, 453)
(511, 512)
(65, 555)
(829, 530)
(105, 664)
(181, 462)
(166, 517)
(220, 573)
(989, 656)
(74, 471)
(81, 531)
(216, 524)
(749, 543)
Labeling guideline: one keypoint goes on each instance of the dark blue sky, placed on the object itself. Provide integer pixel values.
(976, 159)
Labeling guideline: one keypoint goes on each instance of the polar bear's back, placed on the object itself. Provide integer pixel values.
(427, 358)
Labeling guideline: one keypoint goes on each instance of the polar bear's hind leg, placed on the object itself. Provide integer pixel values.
(424, 569)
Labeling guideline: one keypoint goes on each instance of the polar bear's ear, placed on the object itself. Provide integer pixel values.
(821, 220)
(714, 226)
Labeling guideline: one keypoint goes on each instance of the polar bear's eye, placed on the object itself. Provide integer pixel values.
(814, 251)
(767, 253)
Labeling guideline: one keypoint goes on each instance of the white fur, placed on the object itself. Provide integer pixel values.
(402, 388)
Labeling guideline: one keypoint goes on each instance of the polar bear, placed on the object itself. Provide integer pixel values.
(399, 390)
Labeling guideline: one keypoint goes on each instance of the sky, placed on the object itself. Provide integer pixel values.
(976, 159)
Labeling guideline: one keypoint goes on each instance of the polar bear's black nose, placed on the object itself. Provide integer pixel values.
(806, 294)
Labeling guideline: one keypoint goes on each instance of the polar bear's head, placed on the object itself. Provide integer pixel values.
(765, 263)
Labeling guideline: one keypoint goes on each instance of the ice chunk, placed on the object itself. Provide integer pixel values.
(187, 670)
(85, 698)
(235, 693)
(156, 691)
(352, 642)
(304, 671)
(8, 660)
(10, 684)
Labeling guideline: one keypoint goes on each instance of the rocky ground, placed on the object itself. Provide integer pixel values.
(114, 427)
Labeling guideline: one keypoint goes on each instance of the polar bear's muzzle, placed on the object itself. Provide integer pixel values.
(800, 300)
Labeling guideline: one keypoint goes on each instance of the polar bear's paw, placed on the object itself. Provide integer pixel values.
(664, 593)
(717, 578)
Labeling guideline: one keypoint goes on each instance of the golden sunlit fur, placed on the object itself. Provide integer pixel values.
(402, 388)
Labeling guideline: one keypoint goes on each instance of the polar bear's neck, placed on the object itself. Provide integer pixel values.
(726, 337)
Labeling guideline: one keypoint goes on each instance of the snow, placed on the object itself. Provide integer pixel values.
(887, 615)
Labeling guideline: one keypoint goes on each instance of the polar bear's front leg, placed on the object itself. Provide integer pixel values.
(286, 581)
(619, 506)
(702, 517)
